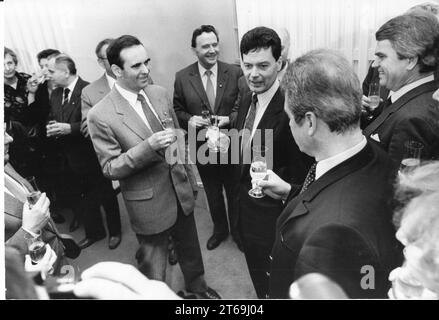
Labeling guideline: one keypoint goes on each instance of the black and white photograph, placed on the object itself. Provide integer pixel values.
(242, 151)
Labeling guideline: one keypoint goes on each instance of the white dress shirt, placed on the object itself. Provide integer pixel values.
(264, 100)
(324, 166)
(213, 76)
(71, 86)
(135, 104)
(110, 80)
(403, 90)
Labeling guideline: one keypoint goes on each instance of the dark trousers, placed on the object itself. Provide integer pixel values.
(152, 255)
(215, 177)
(257, 226)
(111, 208)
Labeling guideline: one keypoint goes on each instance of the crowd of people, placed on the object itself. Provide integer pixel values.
(341, 214)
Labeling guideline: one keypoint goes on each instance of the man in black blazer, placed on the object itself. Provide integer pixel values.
(406, 66)
(210, 85)
(79, 162)
(267, 126)
(338, 223)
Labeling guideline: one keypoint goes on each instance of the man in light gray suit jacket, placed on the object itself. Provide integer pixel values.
(91, 95)
(130, 142)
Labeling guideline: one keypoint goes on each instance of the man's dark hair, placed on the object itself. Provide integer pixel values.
(413, 35)
(67, 61)
(117, 45)
(47, 54)
(204, 28)
(261, 37)
(101, 44)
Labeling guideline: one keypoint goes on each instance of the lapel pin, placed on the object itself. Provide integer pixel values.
(220, 85)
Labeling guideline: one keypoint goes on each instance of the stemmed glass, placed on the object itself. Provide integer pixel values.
(34, 194)
(168, 124)
(258, 170)
(374, 96)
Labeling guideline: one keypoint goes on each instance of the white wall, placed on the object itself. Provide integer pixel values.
(75, 26)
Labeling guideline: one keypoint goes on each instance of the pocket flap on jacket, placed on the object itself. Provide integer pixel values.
(138, 194)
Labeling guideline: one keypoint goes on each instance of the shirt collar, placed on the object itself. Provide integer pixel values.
(202, 69)
(72, 85)
(130, 96)
(110, 80)
(324, 166)
(403, 90)
(265, 97)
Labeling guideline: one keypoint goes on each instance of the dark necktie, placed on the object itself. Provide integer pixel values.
(152, 119)
(310, 177)
(65, 97)
(210, 92)
(249, 121)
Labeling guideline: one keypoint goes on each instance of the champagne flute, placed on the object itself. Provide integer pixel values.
(168, 124)
(374, 96)
(258, 170)
(34, 194)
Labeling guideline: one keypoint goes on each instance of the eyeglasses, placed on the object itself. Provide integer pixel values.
(102, 58)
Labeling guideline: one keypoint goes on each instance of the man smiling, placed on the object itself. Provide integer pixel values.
(406, 65)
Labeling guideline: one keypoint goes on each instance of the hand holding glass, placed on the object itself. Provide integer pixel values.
(34, 194)
(374, 97)
(258, 170)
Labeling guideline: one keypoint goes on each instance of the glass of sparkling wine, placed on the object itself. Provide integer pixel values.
(34, 194)
(412, 156)
(374, 96)
(258, 170)
(36, 247)
(168, 124)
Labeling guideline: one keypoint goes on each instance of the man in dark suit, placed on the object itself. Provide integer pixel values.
(91, 95)
(210, 85)
(81, 171)
(338, 223)
(406, 66)
(261, 113)
(130, 141)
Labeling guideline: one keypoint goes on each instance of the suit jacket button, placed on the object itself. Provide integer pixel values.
(268, 274)
(270, 257)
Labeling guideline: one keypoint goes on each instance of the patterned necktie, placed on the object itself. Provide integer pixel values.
(65, 97)
(152, 119)
(210, 92)
(310, 177)
(249, 122)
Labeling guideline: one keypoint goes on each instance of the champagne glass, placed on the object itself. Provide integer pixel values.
(34, 194)
(168, 124)
(374, 96)
(206, 115)
(258, 170)
(36, 246)
(412, 156)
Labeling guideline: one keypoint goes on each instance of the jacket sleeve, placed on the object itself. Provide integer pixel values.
(180, 107)
(115, 163)
(85, 106)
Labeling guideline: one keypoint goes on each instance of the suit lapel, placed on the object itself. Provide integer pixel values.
(197, 84)
(298, 205)
(274, 107)
(222, 79)
(243, 109)
(371, 128)
(103, 88)
(128, 115)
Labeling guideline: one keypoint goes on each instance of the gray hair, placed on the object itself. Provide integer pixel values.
(413, 35)
(323, 82)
